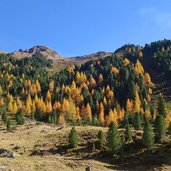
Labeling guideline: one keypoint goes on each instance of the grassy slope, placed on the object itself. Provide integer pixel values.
(44, 147)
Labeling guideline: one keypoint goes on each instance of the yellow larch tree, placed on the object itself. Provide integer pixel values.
(92, 82)
(115, 114)
(2, 102)
(65, 106)
(15, 108)
(139, 68)
(1, 90)
(72, 111)
(137, 102)
(57, 106)
(10, 106)
(28, 109)
(101, 114)
(38, 87)
(126, 62)
(19, 103)
(100, 79)
(51, 86)
(88, 112)
(104, 101)
(147, 113)
(150, 91)
(140, 54)
(78, 114)
(121, 114)
(48, 107)
(147, 79)
(129, 105)
(48, 96)
(114, 70)
(110, 118)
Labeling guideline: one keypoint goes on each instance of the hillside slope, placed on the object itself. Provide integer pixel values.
(156, 59)
(47, 150)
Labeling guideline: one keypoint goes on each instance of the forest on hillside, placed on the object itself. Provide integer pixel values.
(113, 91)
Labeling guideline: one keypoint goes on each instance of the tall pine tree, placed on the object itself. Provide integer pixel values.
(148, 135)
(114, 139)
(160, 130)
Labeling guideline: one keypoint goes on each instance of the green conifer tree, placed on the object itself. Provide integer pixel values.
(9, 125)
(137, 121)
(101, 138)
(114, 139)
(161, 107)
(73, 138)
(128, 133)
(148, 135)
(160, 130)
(19, 117)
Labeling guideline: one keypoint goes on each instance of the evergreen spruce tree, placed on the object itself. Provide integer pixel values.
(55, 121)
(73, 138)
(148, 135)
(128, 133)
(137, 121)
(161, 107)
(114, 139)
(9, 125)
(101, 138)
(131, 89)
(160, 130)
(19, 117)
(49, 119)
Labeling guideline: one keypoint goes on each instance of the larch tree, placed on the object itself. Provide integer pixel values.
(1, 90)
(129, 105)
(49, 107)
(92, 82)
(88, 112)
(139, 68)
(10, 106)
(147, 79)
(101, 114)
(100, 79)
(48, 96)
(137, 102)
(110, 117)
(15, 108)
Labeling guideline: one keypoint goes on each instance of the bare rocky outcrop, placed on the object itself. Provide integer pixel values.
(37, 50)
(7, 153)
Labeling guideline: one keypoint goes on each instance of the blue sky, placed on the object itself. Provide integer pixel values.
(79, 27)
